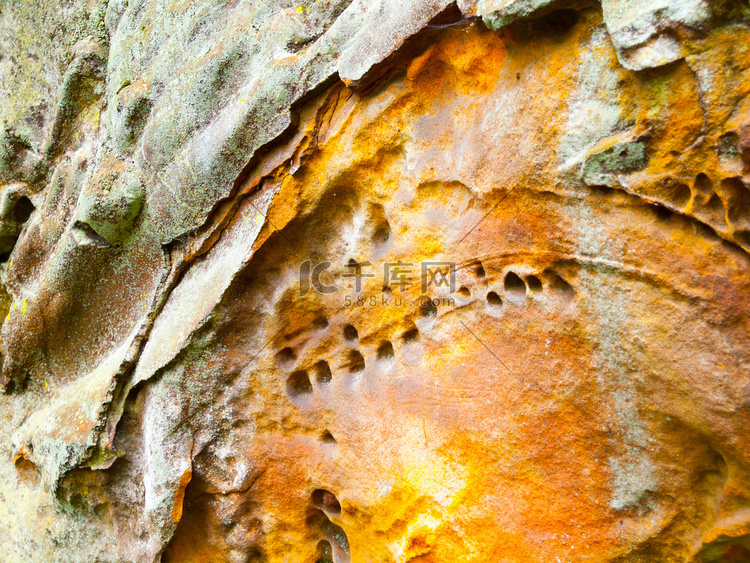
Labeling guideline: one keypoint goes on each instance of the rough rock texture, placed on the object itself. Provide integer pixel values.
(375, 281)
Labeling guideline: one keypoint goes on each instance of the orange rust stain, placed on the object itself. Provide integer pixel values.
(179, 495)
(21, 456)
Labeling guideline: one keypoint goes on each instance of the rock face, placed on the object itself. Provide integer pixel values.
(375, 281)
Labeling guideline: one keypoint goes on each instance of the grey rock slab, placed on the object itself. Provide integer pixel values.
(223, 79)
(646, 33)
(500, 13)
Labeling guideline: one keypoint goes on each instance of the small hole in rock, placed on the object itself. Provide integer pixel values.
(559, 284)
(23, 210)
(325, 552)
(535, 285)
(464, 292)
(381, 229)
(382, 234)
(387, 290)
(703, 183)
(286, 357)
(411, 335)
(356, 361)
(494, 299)
(323, 372)
(514, 285)
(737, 196)
(385, 351)
(326, 501)
(350, 333)
(681, 195)
(299, 384)
(327, 437)
(427, 308)
(480, 271)
(320, 323)
(716, 205)
(27, 471)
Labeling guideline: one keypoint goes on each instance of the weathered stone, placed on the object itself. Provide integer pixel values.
(371, 281)
(646, 34)
(499, 13)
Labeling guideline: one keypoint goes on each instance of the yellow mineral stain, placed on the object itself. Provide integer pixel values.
(179, 495)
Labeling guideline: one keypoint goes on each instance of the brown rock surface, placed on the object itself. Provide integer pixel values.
(366, 282)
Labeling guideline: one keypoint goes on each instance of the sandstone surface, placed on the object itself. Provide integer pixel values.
(364, 281)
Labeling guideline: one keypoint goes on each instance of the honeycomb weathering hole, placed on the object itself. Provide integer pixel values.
(535, 285)
(325, 553)
(681, 195)
(299, 384)
(385, 351)
(381, 228)
(320, 323)
(410, 336)
(356, 361)
(494, 299)
(382, 233)
(515, 288)
(428, 308)
(464, 292)
(327, 438)
(558, 284)
(323, 373)
(737, 196)
(326, 501)
(350, 333)
(286, 357)
(23, 209)
(703, 183)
